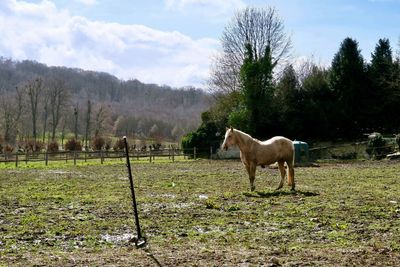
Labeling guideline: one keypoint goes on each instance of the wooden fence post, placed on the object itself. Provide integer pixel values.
(150, 155)
(46, 158)
(173, 155)
(194, 153)
(211, 150)
(26, 157)
(16, 159)
(102, 156)
(75, 158)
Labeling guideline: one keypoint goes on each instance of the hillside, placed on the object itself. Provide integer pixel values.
(143, 105)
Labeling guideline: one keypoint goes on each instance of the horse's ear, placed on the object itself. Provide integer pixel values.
(231, 129)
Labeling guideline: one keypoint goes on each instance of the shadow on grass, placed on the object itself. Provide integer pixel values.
(277, 193)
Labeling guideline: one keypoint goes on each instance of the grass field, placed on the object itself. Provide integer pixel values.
(200, 213)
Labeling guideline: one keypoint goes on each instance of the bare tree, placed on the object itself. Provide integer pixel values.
(58, 98)
(88, 122)
(259, 27)
(45, 114)
(101, 116)
(34, 89)
(63, 126)
(11, 109)
(76, 121)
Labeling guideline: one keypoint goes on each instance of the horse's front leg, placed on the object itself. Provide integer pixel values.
(251, 169)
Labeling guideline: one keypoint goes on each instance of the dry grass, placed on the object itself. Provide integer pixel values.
(201, 213)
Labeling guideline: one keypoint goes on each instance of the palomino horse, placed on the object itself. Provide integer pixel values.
(255, 153)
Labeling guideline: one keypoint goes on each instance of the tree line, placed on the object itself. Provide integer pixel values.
(43, 104)
(259, 92)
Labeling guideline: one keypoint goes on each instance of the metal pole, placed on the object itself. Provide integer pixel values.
(140, 241)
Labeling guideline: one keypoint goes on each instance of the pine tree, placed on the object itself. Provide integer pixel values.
(290, 101)
(258, 90)
(381, 75)
(348, 80)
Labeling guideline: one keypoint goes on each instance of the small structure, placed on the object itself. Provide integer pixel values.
(301, 151)
(233, 153)
(393, 156)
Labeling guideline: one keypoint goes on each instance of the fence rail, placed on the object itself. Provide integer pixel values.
(102, 155)
(343, 152)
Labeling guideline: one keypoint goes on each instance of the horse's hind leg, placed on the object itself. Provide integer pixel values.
(291, 176)
(281, 165)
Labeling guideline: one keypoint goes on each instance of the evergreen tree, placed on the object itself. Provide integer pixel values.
(348, 82)
(258, 90)
(381, 74)
(318, 107)
(395, 103)
(289, 99)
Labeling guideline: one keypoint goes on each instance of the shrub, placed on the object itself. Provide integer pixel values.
(204, 137)
(33, 146)
(119, 145)
(98, 143)
(73, 145)
(107, 146)
(53, 146)
(377, 146)
(239, 119)
(8, 149)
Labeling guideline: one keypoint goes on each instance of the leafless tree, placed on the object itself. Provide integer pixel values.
(76, 113)
(88, 123)
(260, 27)
(58, 98)
(34, 89)
(63, 126)
(11, 109)
(100, 119)
(45, 114)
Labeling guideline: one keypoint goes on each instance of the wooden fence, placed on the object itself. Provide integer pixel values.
(102, 155)
(345, 151)
(351, 151)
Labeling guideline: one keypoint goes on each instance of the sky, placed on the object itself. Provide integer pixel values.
(173, 42)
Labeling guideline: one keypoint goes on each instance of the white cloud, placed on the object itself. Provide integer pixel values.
(213, 6)
(52, 36)
(87, 2)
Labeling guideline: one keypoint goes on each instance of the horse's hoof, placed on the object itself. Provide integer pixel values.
(252, 188)
(278, 188)
(263, 166)
(292, 189)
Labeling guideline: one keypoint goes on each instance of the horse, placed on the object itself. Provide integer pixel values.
(255, 153)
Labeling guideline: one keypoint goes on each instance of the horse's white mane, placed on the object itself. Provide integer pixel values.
(245, 136)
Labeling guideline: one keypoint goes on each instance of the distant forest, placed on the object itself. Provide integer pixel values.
(45, 103)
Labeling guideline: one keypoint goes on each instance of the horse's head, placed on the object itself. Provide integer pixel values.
(229, 139)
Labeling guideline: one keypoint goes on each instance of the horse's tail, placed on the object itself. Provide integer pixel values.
(291, 170)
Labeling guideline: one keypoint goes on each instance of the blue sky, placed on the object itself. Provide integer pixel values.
(173, 41)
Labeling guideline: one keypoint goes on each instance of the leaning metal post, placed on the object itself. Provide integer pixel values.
(140, 241)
